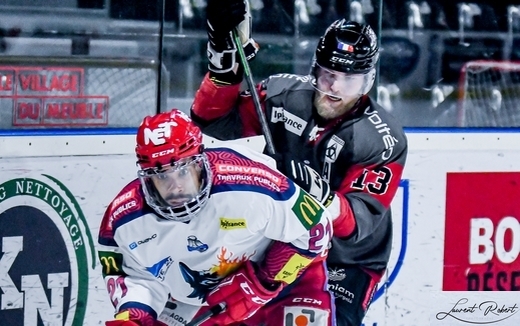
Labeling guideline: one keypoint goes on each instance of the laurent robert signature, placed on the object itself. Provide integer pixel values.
(490, 310)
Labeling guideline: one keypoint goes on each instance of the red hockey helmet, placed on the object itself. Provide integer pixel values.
(174, 171)
(165, 138)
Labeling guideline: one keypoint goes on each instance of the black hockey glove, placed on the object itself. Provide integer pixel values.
(308, 179)
(222, 17)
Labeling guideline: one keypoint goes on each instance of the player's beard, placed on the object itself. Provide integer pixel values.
(329, 109)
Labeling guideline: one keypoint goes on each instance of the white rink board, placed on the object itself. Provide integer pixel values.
(414, 296)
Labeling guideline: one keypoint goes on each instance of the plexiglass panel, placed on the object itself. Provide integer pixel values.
(96, 63)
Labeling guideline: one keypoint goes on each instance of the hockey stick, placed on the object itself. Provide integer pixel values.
(252, 89)
(213, 311)
(161, 10)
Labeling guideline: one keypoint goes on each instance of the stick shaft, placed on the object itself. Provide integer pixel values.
(256, 99)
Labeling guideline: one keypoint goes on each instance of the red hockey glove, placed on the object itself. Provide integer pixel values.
(243, 295)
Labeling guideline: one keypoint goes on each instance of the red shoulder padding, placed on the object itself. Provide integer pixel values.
(212, 101)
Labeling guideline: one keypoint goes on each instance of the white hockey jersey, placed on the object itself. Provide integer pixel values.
(146, 258)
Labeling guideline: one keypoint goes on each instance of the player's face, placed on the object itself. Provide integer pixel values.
(179, 183)
(336, 92)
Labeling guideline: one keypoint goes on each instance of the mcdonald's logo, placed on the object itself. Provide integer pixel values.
(111, 263)
(307, 209)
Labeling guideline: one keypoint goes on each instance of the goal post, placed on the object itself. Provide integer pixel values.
(489, 94)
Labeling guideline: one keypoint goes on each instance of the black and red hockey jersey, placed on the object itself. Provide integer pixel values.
(361, 154)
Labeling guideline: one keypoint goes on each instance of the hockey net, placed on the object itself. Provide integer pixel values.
(489, 94)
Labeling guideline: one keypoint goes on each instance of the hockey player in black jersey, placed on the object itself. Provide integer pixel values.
(329, 136)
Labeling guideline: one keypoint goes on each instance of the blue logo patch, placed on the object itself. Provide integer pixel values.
(195, 244)
(159, 270)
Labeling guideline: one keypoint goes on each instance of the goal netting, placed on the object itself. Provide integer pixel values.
(489, 94)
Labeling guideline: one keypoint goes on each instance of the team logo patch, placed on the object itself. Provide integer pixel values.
(305, 316)
(232, 223)
(195, 244)
(307, 210)
(159, 270)
(334, 147)
(291, 269)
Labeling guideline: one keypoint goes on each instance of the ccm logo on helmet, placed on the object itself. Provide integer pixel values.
(342, 60)
(163, 153)
(158, 135)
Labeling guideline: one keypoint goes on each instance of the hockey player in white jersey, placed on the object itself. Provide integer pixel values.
(202, 227)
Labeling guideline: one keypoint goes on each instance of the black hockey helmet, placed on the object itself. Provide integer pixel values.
(348, 47)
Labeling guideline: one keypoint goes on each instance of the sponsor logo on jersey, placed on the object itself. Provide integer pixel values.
(125, 203)
(111, 263)
(123, 208)
(307, 209)
(382, 128)
(292, 123)
(341, 293)
(337, 274)
(248, 174)
(123, 197)
(134, 245)
(305, 316)
(45, 251)
(290, 270)
(300, 78)
(232, 224)
(195, 244)
(176, 314)
(160, 269)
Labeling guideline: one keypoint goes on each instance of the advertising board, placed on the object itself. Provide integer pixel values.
(455, 249)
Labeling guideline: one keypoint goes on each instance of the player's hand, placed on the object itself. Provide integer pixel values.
(243, 294)
(223, 16)
(307, 178)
